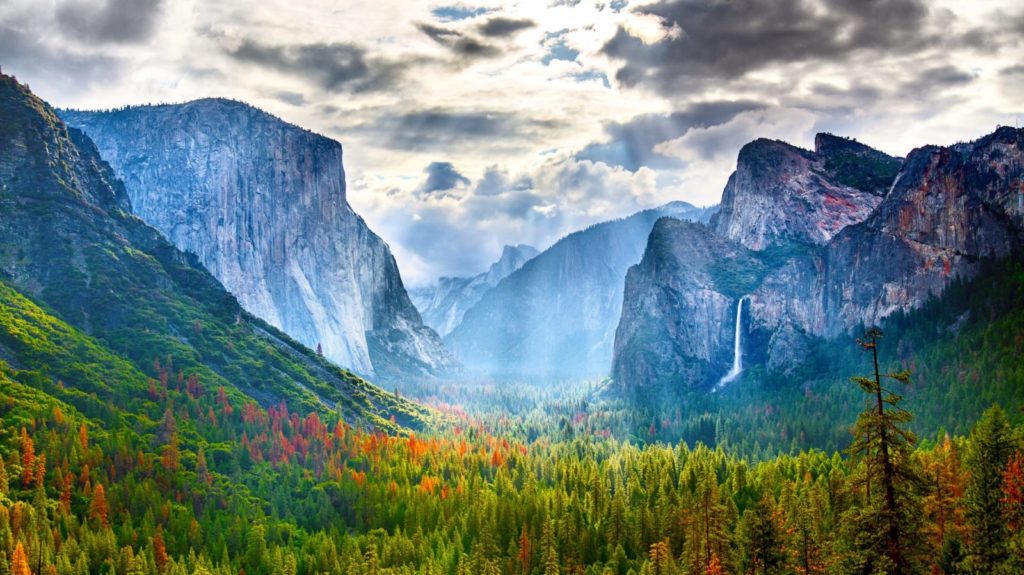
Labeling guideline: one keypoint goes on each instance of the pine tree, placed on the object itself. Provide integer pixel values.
(989, 450)
(763, 536)
(19, 561)
(160, 558)
(28, 458)
(525, 555)
(98, 509)
(893, 481)
(202, 471)
(549, 552)
(83, 437)
(659, 560)
(706, 539)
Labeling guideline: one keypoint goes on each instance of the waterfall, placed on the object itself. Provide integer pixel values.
(737, 352)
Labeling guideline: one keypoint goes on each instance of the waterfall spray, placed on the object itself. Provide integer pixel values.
(737, 352)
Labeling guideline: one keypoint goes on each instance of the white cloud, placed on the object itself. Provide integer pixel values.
(513, 119)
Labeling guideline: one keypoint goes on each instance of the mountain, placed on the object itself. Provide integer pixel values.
(263, 205)
(95, 303)
(781, 193)
(443, 304)
(947, 210)
(555, 317)
(674, 326)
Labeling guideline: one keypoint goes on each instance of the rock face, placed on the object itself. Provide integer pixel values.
(814, 269)
(677, 316)
(949, 208)
(262, 204)
(555, 317)
(780, 193)
(443, 304)
(69, 242)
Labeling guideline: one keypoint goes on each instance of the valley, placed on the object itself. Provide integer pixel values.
(210, 364)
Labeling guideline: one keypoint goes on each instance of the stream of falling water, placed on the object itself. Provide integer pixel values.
(737, 352)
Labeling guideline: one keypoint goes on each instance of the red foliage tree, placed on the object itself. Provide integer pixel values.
(28, 459)
(98, 508)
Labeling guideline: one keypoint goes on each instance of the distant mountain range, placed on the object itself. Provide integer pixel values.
(555, 317)
(443, 303)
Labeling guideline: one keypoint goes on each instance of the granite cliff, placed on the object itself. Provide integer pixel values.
(833, 239)
(262, 204)
(121, 301)
(780, 193)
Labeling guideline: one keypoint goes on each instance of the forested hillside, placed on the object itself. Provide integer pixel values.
(220, 485)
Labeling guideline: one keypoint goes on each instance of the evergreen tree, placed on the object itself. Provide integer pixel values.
(991, 445)
(19, 561)
(765, 553)
(892, 482)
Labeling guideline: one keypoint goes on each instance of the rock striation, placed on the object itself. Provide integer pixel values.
(443, 303)
(262, 203)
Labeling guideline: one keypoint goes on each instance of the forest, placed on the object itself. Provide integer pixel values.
(193, 479)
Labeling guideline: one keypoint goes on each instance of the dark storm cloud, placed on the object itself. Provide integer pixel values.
(437, 128)
(441, 177)
(725, 40)
(857, 91)
(501, 26)
(935, 80)
(462, 45)
(336, 67)
(631, 144)
(109, 21)
(24, 53)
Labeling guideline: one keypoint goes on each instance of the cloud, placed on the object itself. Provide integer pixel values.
(438, 129)
(631, 144)
(462, 45)
(501, 26)
(497, 181)
(56, 69)
(431, 231)
(109, 21)
(335, 67)
(289, 97)
(442, 177)
(726, 40)
(935, 80)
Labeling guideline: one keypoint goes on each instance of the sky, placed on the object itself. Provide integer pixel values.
(467, 126)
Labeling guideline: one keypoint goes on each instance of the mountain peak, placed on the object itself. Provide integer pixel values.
(512, 258)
